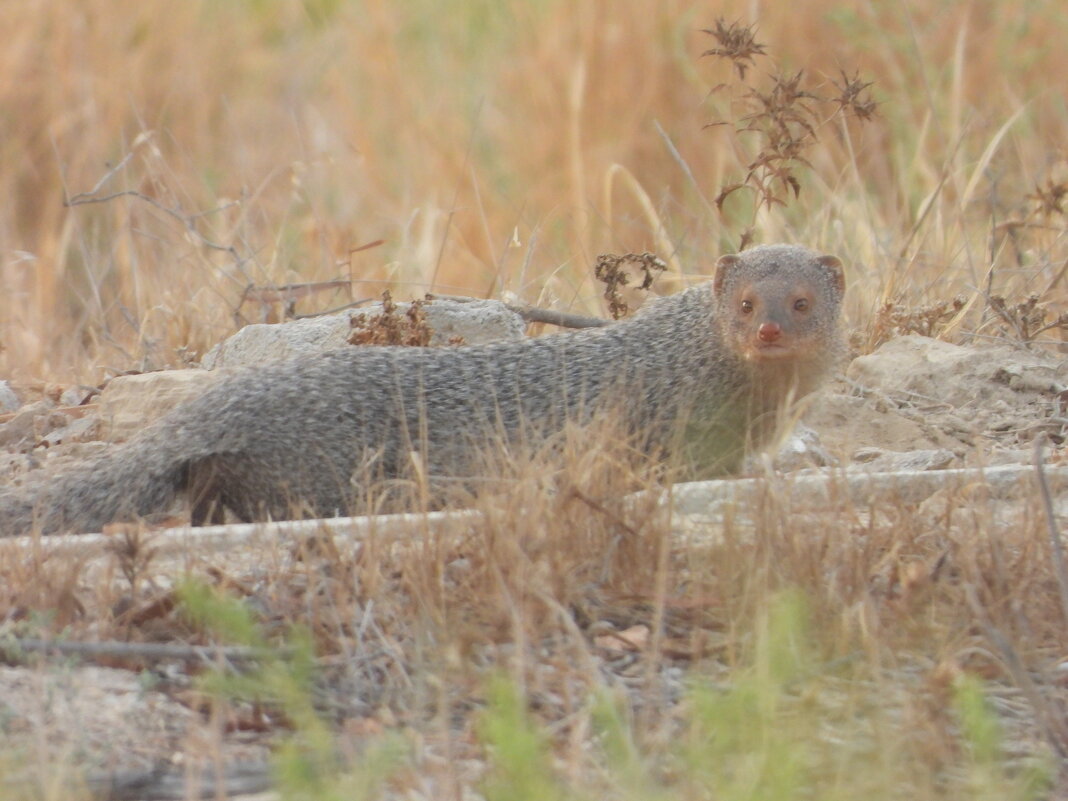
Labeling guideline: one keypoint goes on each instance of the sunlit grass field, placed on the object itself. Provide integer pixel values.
(159, 159)
(496, 147)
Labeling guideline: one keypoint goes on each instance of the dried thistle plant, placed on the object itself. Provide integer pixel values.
(853, 97)
(785, 117)
(1041, 208)
(391, 328)
(1038, 214)
(1034, 217)
(735, 42)
(1024, 321)
(609, 270)
(896, 319)
(1028, 318)
(926, 320)
(1048, 198)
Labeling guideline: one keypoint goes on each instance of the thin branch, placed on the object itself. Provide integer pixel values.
(289, 292)
(86, 198)
(1053, 727)
(165, 783)
(1060, 322)
(14, 647)
(684, 166)
(536, 314)
(597, 506)
(327, 312)
(75, 199)
(1054, 534)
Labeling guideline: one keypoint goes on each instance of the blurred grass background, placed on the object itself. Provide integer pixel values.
(477, 139)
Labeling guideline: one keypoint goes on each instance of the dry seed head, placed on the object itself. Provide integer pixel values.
(1048, 198)
(609, 270)
(851, 97)
(735, 42)
(784, 118)
(390, 328)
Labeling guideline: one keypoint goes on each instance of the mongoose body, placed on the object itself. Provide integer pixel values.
(700, 376)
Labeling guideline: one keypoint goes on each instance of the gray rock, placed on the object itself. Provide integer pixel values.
(22, 430)
(864, 487)
(802, 449)
(877, 460)
(476, 322)
(80, 429)
(129, 402)
(934, 371)
(9, 401)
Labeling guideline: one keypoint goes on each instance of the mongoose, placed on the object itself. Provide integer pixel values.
(699, 375)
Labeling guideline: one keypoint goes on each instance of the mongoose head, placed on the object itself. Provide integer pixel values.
(779, 303)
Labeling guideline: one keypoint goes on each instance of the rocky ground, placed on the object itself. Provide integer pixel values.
(915, 403)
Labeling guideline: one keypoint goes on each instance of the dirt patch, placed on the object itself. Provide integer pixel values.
(985, 404)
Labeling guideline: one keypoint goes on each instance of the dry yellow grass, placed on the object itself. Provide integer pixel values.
(479, 140)
(587, 601)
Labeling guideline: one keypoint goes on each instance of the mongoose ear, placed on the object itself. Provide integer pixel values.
(834, 267)
(723, 266)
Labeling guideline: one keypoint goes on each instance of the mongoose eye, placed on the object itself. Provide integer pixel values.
(801, 304)
(747, 307)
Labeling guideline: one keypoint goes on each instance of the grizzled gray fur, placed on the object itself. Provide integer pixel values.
(698, 376)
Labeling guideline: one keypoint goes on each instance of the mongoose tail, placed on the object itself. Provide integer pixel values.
(135, 479)
(699, 377)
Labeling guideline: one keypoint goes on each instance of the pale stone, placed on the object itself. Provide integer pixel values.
(879, 460)
(476, 322)
(130, 402)
(9, 401)
(934, 371)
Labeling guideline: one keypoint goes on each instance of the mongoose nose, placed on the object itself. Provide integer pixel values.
(769, 332)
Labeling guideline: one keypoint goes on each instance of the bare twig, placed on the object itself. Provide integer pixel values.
(597, 506)
(289, 292)
(1054, 534)
(85, 198)
(81, 410)
(1060, 322)
(147, 651)
(74, 199)
(327, 312)
(165, 783)
(536, 314)
(1053, 727)
(683, 166)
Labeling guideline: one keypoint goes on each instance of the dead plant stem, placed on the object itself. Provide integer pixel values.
(1051, 521)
